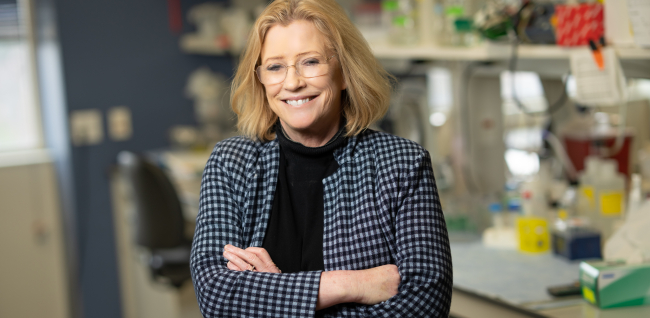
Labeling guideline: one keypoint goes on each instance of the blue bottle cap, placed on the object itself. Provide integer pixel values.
(514, 205)
(495, 207)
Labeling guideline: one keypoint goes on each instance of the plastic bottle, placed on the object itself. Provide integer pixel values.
(438, 22)
(399, 15)
(501, 234)
(464, 34)
(454, 11)
(586, 205)
(498, 217)
(610, 197)
(514, 211)
(636, 198)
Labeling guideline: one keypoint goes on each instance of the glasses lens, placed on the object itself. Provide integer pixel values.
(272, 73)
(313, 66)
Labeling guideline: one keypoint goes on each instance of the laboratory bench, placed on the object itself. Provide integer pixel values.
(507, 283)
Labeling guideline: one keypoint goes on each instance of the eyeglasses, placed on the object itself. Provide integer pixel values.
(308, 67)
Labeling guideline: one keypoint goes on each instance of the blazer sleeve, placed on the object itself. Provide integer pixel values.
(226, 293)
(423, 255)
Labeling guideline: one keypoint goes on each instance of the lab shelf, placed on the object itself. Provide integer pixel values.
(490, 51)
(484, 52)
(193, 44)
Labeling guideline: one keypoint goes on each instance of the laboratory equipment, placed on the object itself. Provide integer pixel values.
(209, 90)
(533, 234)
(609, 190)
(457, 26)
(502, 234)
(577, 243)
(609, 284)
(400, 17)
(579, 146)
(498, 217)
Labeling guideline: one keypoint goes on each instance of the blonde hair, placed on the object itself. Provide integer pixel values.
(367, 96)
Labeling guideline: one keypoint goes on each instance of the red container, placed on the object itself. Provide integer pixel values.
(577, 24)
(579, 147)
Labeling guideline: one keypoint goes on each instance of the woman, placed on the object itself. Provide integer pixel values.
(309, 212)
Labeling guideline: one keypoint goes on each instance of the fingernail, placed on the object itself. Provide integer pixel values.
(227, 247)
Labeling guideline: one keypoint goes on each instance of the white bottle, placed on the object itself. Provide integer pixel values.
(586, 198)
(610, 197)
(498, 217)
(636, 198)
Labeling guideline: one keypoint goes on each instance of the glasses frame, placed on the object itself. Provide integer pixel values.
(259, 77)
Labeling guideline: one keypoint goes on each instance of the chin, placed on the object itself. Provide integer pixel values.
(299, 123)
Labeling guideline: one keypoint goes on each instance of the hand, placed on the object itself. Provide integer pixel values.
(252, 258)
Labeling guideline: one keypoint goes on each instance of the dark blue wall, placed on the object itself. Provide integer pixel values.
(118, 52)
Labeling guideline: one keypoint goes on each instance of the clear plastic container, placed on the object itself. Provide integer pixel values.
(400, 17)
(498, 217)
(610, 197)
(586, 205)
(454, 10)
(636, 194)
(514, 211)
(464, 34)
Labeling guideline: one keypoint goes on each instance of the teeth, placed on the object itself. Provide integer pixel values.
(297, 102)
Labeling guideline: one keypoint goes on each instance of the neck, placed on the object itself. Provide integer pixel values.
(311, 139)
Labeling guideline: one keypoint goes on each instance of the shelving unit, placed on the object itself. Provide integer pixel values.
(491, 51)
(193, 44)
(485, 52)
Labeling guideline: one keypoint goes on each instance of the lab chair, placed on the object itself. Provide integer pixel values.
(159, 226)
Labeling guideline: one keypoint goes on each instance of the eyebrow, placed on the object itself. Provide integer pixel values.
(279, 57)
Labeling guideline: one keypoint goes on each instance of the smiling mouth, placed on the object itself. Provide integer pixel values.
(298, 102)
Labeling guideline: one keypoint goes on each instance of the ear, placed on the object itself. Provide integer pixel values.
(344, 82)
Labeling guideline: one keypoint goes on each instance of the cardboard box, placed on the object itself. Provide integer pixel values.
(615, 284)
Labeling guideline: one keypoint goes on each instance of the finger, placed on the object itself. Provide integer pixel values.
(237, 261)
(233, 267)
(248, 257)
(269, 266)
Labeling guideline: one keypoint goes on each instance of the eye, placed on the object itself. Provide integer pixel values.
(310, 61)
(274, 67)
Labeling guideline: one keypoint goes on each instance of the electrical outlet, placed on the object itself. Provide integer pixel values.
(86, 127)
(120, 127)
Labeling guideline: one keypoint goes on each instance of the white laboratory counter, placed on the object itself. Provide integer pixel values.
(507, 283)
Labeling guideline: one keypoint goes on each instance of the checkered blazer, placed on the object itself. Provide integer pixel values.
(380, 207)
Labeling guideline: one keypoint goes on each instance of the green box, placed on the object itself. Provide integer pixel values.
(615, 284)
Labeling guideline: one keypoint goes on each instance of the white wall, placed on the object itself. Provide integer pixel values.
(32, 266)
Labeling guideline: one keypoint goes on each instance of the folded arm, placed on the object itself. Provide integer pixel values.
(422, 251)
(225, 289)
(369, 286)
(222, 292)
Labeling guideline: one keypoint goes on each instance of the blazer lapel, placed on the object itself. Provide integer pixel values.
(262, 190)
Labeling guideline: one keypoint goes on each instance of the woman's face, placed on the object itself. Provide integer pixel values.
(305, 106)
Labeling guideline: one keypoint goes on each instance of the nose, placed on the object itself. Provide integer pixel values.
(293, 81)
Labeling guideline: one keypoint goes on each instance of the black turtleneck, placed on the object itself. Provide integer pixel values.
(294, 238)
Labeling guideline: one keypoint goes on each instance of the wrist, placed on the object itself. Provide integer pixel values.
(351, 287)
(338, 287)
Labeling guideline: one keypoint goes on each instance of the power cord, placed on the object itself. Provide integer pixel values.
(512, 67)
